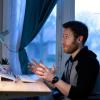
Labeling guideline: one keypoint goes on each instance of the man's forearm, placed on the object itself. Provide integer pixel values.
(63, 87)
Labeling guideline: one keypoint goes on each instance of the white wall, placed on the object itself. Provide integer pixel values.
(1, 22)
(6, 26)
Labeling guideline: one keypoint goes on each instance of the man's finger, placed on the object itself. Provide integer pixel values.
(34, 62)
(53, 69)
(40, 69)
(39, 73)
(44, 67)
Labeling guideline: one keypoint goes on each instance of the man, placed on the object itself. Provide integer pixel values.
(81, 69)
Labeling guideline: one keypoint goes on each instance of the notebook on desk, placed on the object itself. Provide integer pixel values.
(28, 78)
(23, 78)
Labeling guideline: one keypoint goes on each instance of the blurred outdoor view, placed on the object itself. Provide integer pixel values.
(88, 11)
(43, 47)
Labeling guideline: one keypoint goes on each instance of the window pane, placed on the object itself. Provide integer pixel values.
(88, 11)
(43, 47)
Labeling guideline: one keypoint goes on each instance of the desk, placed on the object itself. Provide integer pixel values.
(20, 89)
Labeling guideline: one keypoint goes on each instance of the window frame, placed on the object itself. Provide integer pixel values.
(65, 12)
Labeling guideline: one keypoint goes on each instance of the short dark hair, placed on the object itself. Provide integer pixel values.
(78, 29)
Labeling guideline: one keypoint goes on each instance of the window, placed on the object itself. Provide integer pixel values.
(43, 47)
(88, 11)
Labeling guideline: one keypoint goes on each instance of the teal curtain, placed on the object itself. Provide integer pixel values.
(36, 13)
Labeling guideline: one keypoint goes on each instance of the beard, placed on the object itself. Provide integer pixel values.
(72, 47)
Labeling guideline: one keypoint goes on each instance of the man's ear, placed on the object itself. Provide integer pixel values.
(80, 38)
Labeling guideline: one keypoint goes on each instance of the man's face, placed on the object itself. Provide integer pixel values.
(70, 43)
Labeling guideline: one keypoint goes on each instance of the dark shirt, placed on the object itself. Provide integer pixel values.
(87, 70)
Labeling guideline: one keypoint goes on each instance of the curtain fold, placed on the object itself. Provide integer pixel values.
(36, 13)
(14, 13)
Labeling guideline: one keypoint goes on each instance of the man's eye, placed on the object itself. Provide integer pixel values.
(66, 37)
